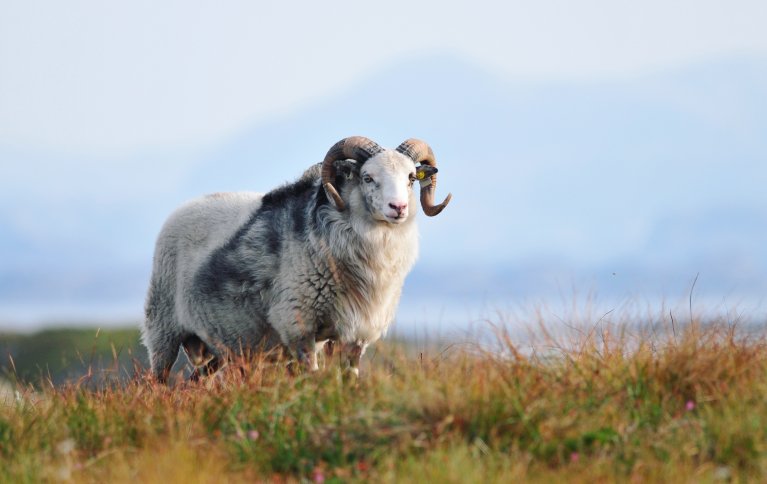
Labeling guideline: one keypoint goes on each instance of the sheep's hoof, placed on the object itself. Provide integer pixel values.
(195, 375)
(350, 375)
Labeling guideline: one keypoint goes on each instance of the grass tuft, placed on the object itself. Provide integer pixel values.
(605, 402)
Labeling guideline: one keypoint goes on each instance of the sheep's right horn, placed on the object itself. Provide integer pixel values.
(420, 152)
(356, 148)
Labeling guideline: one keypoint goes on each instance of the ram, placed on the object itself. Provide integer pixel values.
(323, 258)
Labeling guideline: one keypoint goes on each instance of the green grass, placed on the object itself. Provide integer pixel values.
(54, 356)
(683, 405)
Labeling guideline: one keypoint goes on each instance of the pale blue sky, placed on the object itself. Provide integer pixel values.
(93, 77)
(628, 136)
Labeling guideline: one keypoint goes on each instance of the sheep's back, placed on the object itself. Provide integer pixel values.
(199, 227)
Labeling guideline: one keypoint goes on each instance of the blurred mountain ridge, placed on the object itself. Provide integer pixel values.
(654, 179)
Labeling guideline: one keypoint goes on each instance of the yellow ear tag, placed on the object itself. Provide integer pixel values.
(420, 174)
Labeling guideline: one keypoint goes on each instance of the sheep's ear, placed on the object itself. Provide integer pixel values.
(347, 169)
(423, 174)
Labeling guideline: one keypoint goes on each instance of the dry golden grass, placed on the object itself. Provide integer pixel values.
(604, 403)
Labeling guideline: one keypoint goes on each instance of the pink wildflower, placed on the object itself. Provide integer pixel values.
(574, 456)
(253, 434)
(689, 406)
(318, 476)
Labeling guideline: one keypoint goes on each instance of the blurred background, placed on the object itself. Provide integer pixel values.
(607, 151)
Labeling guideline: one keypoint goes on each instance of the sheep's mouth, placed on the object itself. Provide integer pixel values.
(395, 220)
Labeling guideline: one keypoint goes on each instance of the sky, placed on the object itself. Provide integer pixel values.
(99, 78)
(107, 111)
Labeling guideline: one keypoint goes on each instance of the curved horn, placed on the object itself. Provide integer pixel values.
(356, 148)
(420, 152)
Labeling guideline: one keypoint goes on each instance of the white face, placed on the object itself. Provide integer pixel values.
(386, 181)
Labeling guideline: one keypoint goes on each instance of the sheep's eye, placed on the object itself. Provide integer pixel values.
(367, 179)
(411, 180)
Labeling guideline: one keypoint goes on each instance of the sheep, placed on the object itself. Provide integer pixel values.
(322, 258)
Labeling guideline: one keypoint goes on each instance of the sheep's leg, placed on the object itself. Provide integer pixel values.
(207, 369)
(305, 351)
(204, 361)
(351, 353)
(308, 356)
(163, 350)
(327, 346)
(298, 336)
(160, 332)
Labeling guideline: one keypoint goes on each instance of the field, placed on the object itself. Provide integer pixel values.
(655, 400)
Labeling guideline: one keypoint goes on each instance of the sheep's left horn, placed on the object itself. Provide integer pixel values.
(420, 152)
(356, 148)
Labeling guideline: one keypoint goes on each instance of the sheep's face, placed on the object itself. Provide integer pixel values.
(386, 186)
(382, 187)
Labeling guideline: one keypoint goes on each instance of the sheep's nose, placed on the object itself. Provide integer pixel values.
(398, 207)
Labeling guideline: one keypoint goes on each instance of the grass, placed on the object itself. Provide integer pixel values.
(56, 355)
(600, 404)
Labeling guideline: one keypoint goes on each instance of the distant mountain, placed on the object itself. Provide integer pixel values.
(660, 177)
(533, 166)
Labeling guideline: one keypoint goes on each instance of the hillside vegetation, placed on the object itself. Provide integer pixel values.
(604, 403)
(57, 355)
